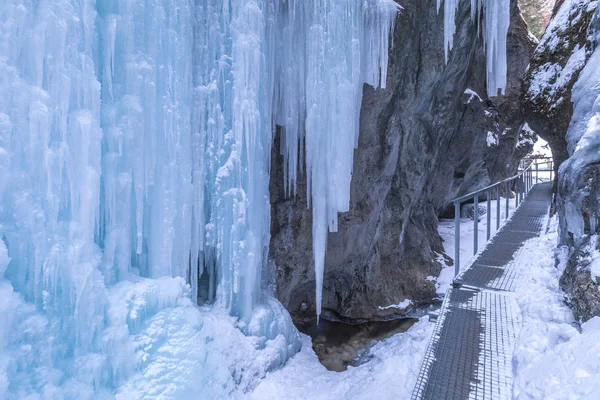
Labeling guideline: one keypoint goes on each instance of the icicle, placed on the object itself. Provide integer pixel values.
(450, 7)
(343, 44)
(496, 21)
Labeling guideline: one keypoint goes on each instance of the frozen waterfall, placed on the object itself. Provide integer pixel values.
(135, 142)
(494, 17)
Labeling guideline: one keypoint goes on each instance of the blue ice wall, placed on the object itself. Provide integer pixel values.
(135, 142)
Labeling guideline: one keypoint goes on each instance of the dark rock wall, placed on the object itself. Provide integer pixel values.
(422, 142)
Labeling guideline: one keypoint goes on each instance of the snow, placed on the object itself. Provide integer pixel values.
(400, 306)
(472, 95)
(494, 18)
(551, 80)
(467, 230)
(595, 262)
(446, 276)
(553, 359)
(492, 139)
(391, 372)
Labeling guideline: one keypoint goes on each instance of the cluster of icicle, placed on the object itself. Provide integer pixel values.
(135, 140)
(324, 58)
(494, 16)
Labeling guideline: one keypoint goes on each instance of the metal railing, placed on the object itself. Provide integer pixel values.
(522, 184)
(543, 166)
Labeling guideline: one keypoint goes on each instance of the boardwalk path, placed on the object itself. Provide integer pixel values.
(470, 353)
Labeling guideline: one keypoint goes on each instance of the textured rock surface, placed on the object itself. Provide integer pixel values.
(422, 142)
(578, 201)
(554, 69)
(577, 280)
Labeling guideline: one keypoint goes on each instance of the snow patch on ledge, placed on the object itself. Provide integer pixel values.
(492, 139)
(400, 306)
(472, 96)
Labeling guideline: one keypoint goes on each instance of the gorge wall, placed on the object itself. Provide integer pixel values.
(561, 101)
(431, 135)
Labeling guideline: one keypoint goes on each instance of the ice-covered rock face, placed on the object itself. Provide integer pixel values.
(579, 182)
(578, 200)
(561, 101)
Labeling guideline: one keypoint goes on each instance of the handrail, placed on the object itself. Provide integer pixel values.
(524, 181)
(481, 191)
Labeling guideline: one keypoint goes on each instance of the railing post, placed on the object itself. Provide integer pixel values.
(456, 238)
(507, 200)
(476, 225)
(516, 192)
(498, 205)
(537, 171)
(530, 179)
(489, 214)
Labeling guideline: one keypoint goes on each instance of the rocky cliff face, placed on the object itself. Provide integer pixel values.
(431, 135)
(579, 185)
(562, 103)
(554, 69)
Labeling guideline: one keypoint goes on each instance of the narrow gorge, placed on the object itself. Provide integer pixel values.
(186, 185)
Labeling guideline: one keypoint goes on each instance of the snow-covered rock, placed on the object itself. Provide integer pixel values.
(555, 67)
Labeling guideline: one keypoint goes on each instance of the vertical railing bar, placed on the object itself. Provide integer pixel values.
(498, 207)
(507, 200)
(476, 226)
(456, 238)
(523, 184)
(489, 214)
(516, 192)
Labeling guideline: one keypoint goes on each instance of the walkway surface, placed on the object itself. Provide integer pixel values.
(470, 353)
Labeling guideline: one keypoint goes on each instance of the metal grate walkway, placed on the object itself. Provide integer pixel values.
(469, 355)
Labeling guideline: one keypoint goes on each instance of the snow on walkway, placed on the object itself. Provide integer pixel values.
(470, 352)
(554, 358)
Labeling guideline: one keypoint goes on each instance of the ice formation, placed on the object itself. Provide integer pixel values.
(494, 16)
(583, 139)
(324, 57)
(135, 142)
